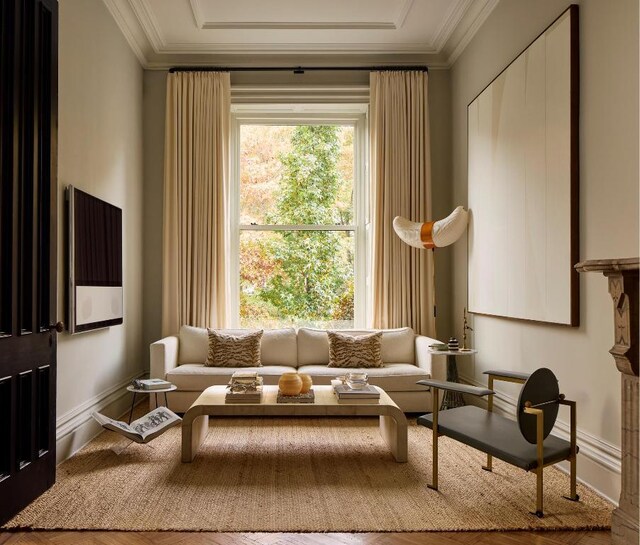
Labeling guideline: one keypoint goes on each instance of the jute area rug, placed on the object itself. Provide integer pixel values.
(299, 475)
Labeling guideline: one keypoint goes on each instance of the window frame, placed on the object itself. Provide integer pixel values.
(354, 115)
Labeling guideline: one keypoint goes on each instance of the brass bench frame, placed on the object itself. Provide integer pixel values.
(518, 378)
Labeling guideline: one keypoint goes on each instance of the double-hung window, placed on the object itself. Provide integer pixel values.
(298, 216)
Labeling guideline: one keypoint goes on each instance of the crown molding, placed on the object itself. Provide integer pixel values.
(137, 22)
(477, 17)
(450, 23)
(117, 9)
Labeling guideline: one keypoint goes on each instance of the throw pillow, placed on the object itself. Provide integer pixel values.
(233, 350)
(350, 351)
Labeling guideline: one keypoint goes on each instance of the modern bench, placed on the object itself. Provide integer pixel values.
(525, 442)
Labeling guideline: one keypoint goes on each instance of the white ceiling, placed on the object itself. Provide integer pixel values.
(164, 33)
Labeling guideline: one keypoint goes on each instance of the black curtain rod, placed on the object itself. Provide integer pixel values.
(296, 69)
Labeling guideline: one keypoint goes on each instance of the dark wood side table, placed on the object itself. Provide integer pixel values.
(450, 400)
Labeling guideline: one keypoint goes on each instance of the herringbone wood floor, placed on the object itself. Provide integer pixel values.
(209, 538)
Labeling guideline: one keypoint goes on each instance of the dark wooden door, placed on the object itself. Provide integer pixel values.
(28, 230)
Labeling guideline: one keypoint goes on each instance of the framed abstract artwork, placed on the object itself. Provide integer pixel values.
(523, 183)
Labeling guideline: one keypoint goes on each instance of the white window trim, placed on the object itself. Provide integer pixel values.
(296, 114)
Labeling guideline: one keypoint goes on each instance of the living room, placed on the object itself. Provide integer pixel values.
(114, 60)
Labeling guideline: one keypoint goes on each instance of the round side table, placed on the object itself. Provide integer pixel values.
(450, 400)
(137, 391)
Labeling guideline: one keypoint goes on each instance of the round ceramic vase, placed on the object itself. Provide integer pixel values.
(290, 384)
(306, 383)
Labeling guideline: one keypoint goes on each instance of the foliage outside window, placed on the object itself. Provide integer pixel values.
(297, 237)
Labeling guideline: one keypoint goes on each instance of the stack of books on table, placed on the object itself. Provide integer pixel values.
(244, 387)
(349, 396)
(151, 384)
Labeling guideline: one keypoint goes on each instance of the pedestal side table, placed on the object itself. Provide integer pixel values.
(451, 400)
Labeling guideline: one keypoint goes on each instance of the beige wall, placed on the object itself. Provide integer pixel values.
(154, 104)
(608, 213)
(100, 151)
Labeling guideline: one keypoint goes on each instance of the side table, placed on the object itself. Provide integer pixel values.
(450, 400)
(136, 391)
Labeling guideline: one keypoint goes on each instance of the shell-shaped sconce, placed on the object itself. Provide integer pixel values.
(432, 234)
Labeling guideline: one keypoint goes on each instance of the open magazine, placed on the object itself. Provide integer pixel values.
(144, 429)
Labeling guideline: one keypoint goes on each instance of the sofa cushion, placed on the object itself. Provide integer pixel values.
(196, 377)
(393, 377)
(354, 351)
(278, 346)
(398, 345)
(233, 350)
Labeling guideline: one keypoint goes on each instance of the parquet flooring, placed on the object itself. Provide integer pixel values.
(210, 538)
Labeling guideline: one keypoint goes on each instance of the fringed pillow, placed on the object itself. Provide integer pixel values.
(233, 350)
(353, 352)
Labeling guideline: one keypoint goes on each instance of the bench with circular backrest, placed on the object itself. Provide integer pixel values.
(525, 442)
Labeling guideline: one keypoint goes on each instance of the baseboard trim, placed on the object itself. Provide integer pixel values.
(76, 428)
(596, 450)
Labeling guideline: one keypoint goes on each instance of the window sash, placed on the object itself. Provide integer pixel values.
(302, 227)
(323, 114)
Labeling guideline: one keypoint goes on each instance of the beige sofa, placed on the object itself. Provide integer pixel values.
(180, 360)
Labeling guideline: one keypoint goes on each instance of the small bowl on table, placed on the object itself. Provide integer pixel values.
(357, 381)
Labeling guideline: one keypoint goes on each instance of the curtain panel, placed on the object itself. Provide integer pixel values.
(402, 276)
(196, 174)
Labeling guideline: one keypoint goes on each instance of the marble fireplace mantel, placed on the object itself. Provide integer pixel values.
(624, 288)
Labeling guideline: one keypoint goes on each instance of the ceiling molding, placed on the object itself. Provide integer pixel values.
(302, 49)
(451, 21)
(143, 32)
(203, 24)
(115, 9)
(478, 19)
(402, 14)
(149, 23)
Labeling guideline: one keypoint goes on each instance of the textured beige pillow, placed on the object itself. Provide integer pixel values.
(233, 350)
(349, 351)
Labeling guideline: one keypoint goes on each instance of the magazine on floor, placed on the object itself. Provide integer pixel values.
(144, 429)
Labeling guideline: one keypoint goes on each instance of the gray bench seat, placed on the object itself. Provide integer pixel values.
(495, 435)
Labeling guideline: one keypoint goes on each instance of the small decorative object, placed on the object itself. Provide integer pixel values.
(357, 381)
(432, 234)
(453, 344)
(244, 387)
(290, 384)
(343, 379)
(306, 383)
(465, 327)
(439, 346)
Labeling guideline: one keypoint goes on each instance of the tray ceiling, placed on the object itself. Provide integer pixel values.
(167, 32)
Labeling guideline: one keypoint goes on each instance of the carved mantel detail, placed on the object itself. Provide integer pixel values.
(624, 283)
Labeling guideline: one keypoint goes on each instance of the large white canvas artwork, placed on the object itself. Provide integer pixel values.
(523, 176)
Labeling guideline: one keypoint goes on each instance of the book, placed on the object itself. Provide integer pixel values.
(144, 429)
(344, 392)
(243, 398)
(152, 384)
(359, 401)
(239, 392)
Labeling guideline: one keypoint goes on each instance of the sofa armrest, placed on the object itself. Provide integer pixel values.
(164, 357)
(436, 367)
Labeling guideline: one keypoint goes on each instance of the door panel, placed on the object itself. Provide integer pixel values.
(28, 230)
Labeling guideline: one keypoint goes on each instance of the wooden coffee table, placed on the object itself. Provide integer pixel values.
(195, 424)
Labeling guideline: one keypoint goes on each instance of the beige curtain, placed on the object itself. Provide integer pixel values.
(196, 172)
(402, 277)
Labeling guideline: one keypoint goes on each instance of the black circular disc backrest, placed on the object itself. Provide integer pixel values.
(541, 386)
